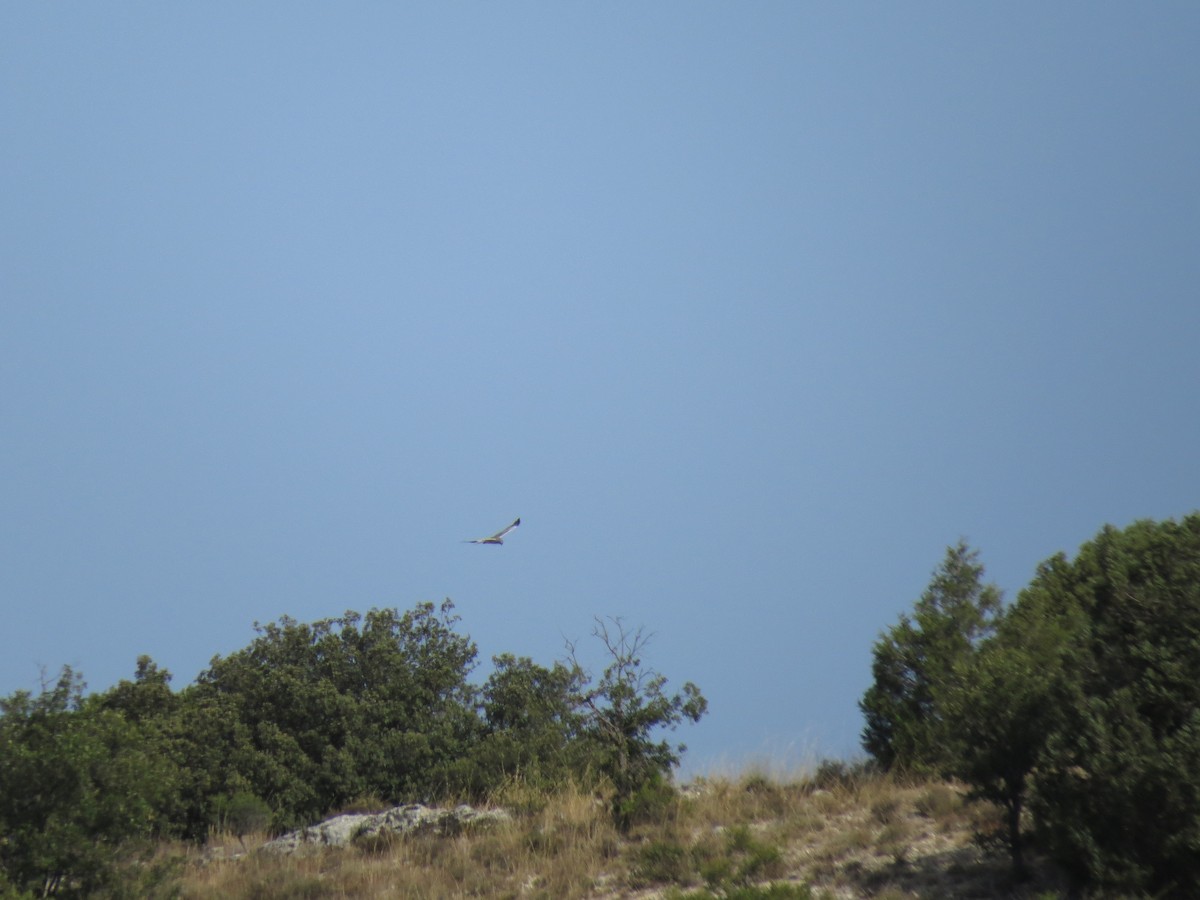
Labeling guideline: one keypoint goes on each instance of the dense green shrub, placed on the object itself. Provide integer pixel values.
(1084, 705)
(375, 704)
(78, 786)
(305, 721)
(1117, 790)
(1080, 702)
(529, 728)
(915, 665)
(662, 862)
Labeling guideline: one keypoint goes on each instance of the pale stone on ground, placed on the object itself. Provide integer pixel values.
(345, 829)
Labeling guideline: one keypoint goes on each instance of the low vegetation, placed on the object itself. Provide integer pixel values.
(838, 832)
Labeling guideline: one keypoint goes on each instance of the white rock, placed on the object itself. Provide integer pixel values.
(342, 830)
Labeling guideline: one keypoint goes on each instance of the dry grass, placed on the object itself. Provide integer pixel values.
(557, 846)
(856, 836)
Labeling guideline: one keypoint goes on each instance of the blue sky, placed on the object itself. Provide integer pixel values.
(748, 311)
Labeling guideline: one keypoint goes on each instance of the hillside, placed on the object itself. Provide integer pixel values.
(835, 835)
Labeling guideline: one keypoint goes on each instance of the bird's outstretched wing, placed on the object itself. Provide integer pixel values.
(498, 537)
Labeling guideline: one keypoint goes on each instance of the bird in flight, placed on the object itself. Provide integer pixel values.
(498, 537)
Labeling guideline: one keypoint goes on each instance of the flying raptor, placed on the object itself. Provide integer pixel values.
(498, 537)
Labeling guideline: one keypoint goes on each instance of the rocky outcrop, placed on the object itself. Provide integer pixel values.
(368, 828)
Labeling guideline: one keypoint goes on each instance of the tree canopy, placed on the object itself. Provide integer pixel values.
(1079, 703)
(307, 719)
(1117, 787)
(915, 664)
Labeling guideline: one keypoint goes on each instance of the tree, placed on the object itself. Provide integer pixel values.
(620, 715)
(1117, 787)
(77, 785)
(145, 699)
(1007, 698)
(376, 704)
(214, 756)
(309, 718)
(916, 662)
(529, 726)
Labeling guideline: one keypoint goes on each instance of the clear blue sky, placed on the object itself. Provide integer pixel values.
(748, 311)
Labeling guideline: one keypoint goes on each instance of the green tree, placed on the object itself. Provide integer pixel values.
(1007, 699)
(916, 663)
(621, 714)
(145, 699)
(214, 755)
(1117, 787)
(359, 704)
(77, 787)
(529, 725)
(182, 731)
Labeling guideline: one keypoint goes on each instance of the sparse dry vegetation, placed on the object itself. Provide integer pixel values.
(854, 835)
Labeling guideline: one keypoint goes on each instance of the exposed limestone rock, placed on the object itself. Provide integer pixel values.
(366, 827)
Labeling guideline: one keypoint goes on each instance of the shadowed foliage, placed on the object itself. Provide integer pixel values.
(915, 665)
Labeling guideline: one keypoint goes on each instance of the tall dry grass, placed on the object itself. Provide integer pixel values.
(558, 845)
(838, 832)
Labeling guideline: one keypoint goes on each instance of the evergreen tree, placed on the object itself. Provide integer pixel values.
(1008, 697)
(915, 664)
(1117, 789)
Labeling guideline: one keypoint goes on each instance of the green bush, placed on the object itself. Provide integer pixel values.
(914, 665)
(529, 730)
(242, 814)
(619, 717)
(661, 862)
(742, 860)
(304, 721)
(77, 790)
(1085, 706)
(1117, 790)
(655, 801)
(361, 704)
